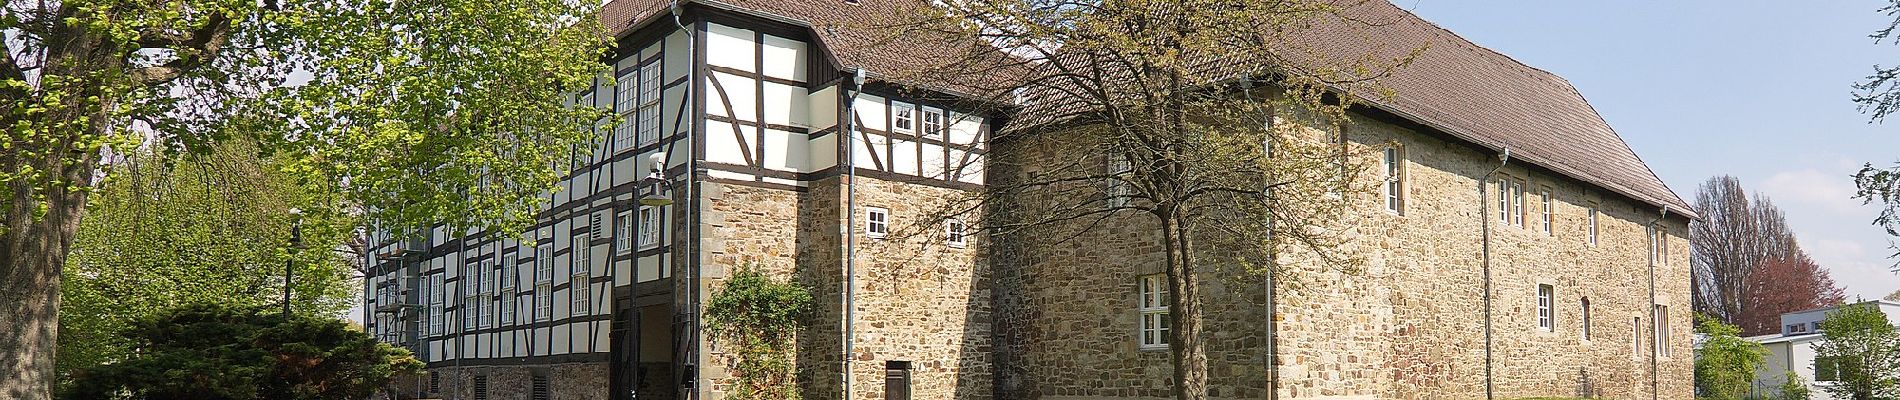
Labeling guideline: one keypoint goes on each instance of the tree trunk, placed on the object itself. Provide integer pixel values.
(32, 250)
(34, 241)
(1184, 308)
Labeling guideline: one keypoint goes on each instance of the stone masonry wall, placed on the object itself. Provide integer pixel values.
(572, 381)
(917, 300)
(1409, 326)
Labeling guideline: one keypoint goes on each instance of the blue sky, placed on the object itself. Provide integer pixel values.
(1757, 90)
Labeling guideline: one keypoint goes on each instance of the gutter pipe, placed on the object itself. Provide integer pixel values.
(851, 223)
(1654, 344)
(1484, 216)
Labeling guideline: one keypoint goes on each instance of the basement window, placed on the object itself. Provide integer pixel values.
(1153, 306)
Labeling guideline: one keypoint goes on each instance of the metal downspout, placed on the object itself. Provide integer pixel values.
(851, 223)
(1655, 345)
(1484, 215)
(693, 201)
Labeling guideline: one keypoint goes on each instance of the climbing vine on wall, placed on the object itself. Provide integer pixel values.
(758, 317)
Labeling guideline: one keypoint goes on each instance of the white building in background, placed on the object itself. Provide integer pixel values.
(1793, 348)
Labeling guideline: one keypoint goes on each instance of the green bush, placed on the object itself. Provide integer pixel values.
(759, 317)
(1725, 365)
(1793, 387)
(218, 352)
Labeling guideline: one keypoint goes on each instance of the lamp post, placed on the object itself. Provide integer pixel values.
(296, 241)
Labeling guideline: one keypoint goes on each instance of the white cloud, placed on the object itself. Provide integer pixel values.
(1812, 188)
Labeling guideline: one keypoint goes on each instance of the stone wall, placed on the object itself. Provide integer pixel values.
(917, 300)
(575, 381)
(1409, 325)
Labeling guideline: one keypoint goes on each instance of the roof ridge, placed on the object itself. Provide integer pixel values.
(1441, 30)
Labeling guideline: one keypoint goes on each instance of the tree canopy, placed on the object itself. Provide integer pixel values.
(413, 112)
(161, 234)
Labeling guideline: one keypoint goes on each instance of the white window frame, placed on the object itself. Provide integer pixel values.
(648, 113)
(1394, 180)
(544, 282)
(903, 117)
(954, 232)
(1593, 230)
(507, 308)
(1517, 203)
(1636, 337)
(1504, 201)
(650, 222)
(1152, 306)
(1118, 191)
(1583, 316)
(579, 255)
(1660, 317)
(1658, 247)
(1550, 212)
(437, 314)
(623, 233)
(626, 87)
(932, 123)
(1546, 310)
(877, 222)
(580, 296)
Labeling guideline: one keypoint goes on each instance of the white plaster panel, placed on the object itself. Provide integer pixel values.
(903, 157)
(561, 337)
(730, 47)
(823, 108)
(785, 151)
(671, 100)
(823, 152)
(649, 268)
(786, 105)
(972, 170)
(728, 175)
(863, 149)
(677, 61)
(870, 111)
(721, 146)
(741, 91)
(784, 58)
(932, 161)
(965, 128)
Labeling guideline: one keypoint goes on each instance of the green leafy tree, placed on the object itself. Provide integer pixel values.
(443, 111)
(213, 351)
(210, 227)
(1725, 364)
(760, 318)
(1860, 352)
(1161, 116)
(1793, 387)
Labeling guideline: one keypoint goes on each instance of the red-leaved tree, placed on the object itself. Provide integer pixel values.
(1782, 285)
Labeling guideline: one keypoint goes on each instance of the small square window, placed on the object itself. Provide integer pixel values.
(877, 222)
(933, 123)
(953, 233)
(903, 117)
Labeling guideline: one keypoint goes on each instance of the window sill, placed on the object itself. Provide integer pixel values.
(1152, 347)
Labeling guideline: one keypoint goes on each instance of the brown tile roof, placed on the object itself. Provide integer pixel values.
(1473, 93)
(1487, 98)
